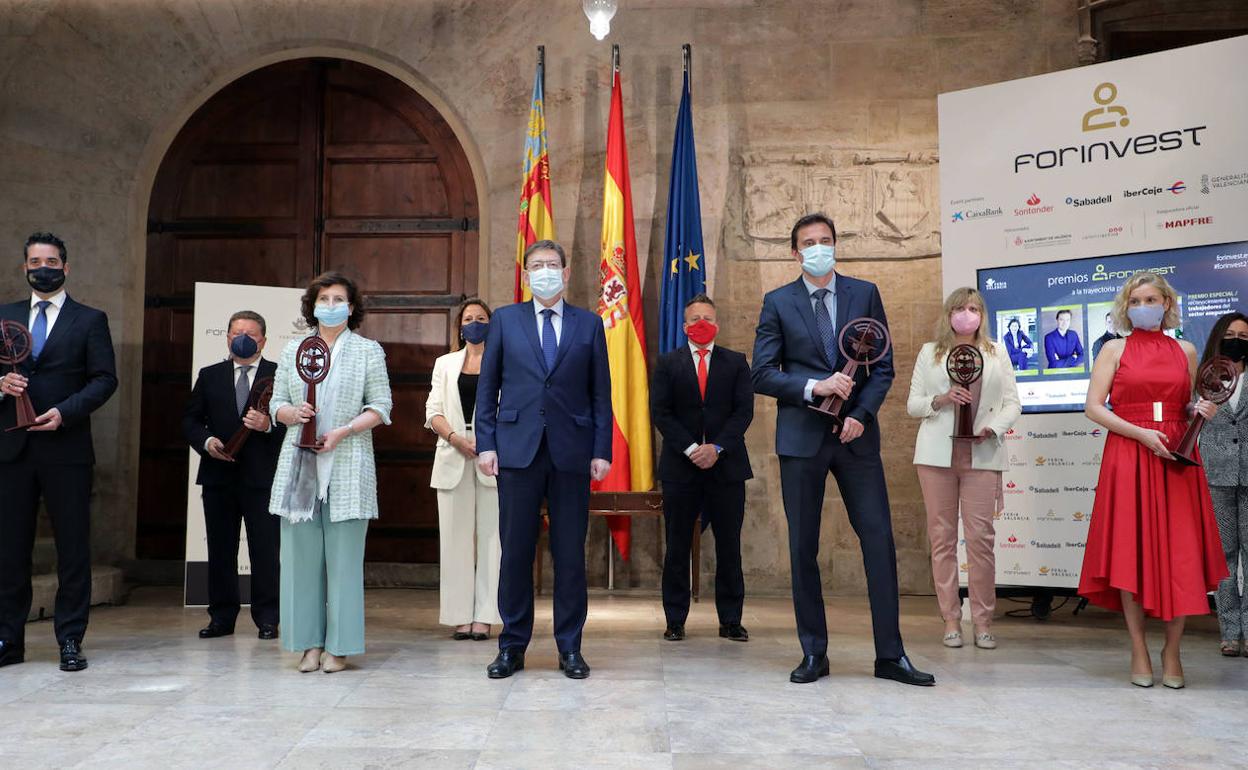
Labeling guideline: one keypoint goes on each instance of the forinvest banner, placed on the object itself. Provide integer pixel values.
(1140, 155)
(214, 304)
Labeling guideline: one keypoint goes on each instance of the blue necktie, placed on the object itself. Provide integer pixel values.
(550, 346)
(823, 322)
(39, 332)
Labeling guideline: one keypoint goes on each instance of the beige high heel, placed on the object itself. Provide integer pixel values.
(311, 660)
(334, 663)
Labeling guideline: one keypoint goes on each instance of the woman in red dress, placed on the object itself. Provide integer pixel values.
(1153, 545)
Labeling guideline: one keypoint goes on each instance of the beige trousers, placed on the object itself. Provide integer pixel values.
(976, 493)
(470, 551)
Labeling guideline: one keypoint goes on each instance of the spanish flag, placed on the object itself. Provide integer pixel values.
(619, 304)
(536, 219)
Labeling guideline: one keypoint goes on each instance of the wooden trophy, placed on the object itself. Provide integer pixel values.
(1215, 381)
(15, 347)
(862, 341)
(312, 364)
(259, 400)
(964, 366)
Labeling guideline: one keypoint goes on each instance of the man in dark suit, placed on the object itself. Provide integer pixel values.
(236, 490)
(702, 402)
(797, 360)
(70, 374)
(543, 422)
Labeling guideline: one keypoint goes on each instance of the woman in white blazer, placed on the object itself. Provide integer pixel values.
(327, 496)
(467, 499)
(967, 470)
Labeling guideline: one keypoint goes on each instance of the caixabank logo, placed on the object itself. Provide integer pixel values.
(1101, 123)
(971, 215)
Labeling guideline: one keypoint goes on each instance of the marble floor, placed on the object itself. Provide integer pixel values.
(1054, 694)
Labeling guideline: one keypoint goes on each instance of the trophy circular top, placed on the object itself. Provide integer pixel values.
(312, 360)
(864, 340)
(15, 343)
(262, 395)
(1216, 379)
(965, 364)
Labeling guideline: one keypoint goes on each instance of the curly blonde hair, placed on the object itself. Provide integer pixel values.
(1144, 278)
(959, 298)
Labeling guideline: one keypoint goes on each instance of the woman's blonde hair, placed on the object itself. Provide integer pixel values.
(960, 298)
(1144, 278)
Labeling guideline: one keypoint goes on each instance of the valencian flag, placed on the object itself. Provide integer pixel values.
(684, 269)
(619, 304)
(536, 219)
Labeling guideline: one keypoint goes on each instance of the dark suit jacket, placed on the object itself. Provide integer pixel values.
(518, 400)
(683, 418)
(212, 411)
(1018, 356)
(1063, 351)
(788, 352)
(76, 374)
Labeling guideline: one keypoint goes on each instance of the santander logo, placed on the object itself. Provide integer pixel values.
(1033, 207)
(1033, 200)
(1013, 539)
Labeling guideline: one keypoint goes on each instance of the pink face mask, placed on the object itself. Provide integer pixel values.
(964, 321)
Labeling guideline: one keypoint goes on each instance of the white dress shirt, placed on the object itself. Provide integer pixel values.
(693, 351)
(556, 320)
(53, 312)
(829, 301)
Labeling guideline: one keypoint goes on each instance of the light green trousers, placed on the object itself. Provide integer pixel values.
(322, 602)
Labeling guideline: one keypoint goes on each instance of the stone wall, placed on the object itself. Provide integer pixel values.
(797, 105)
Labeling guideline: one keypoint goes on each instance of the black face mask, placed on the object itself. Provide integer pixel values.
(1234, 349)
(46, 280)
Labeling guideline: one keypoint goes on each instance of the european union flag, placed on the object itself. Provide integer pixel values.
(684, 276)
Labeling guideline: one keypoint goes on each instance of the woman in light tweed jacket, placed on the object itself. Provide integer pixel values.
(1224, 450)
(326, 497)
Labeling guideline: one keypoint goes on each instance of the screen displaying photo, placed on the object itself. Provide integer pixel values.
(1054, 318)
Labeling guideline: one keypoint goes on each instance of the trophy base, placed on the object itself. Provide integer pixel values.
(21, 426)
(967, 437)
(837, 420)
(318, 445)
(1184, 460)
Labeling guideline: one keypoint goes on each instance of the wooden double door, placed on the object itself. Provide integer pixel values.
(296, 168)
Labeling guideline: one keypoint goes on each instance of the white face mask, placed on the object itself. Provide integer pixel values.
(546, 282)
(819, 259)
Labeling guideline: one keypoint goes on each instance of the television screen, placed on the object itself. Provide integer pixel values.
(1053, 318)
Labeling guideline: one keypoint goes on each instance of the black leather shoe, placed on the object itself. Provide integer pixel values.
(478, 636)
(215, 629)
(507, 663)
(573, 665)
(902, 670)
(675, 633)
(11, 654)
(734, 631)
(72, 658)
(461, 636)
(267, 631)
(811, 668)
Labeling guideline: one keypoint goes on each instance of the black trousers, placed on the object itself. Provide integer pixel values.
(724, 505)
(226, 508)
(66, 491)
(861, 481)
(520, 495)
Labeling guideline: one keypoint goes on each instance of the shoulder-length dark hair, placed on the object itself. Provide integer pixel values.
(324, 281)
(1214, 343)
(457, 341)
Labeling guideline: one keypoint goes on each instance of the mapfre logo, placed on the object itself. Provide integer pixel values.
(1106, 114)
(1177, 224)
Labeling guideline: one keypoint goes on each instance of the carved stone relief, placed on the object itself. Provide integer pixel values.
(884, 203)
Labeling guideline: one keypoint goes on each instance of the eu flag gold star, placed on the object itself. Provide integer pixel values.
(674, 261)
(692, 259)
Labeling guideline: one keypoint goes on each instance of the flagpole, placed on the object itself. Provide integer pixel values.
(615, 58)
(541, 65)
(686, 51)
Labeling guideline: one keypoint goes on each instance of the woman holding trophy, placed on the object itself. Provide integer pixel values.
(1224, 448)
(963, 389)
(1152, 545)
(333, 388)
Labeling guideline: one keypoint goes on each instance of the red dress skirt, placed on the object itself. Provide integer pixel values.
(1152, 532)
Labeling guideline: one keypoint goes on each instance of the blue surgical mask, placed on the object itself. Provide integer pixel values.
(332, 316)
(546, 282)
(1146, 316)
(243, 347)
(475, 332)
(818, 260)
